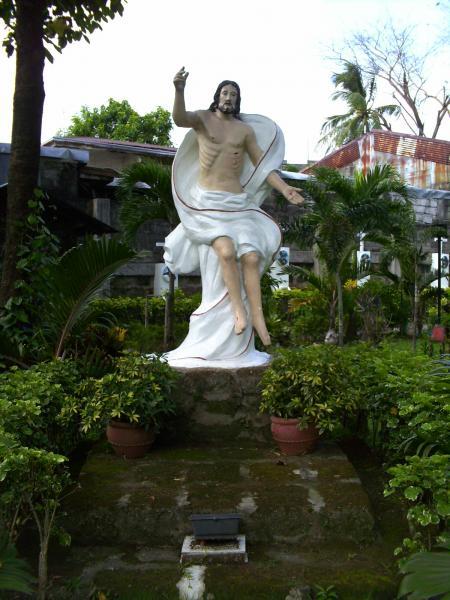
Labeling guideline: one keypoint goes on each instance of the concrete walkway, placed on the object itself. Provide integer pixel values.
(307, 520)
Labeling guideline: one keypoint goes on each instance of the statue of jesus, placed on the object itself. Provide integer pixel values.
(221, 175)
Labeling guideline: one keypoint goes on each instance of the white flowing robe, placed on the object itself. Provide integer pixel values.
(206, 215)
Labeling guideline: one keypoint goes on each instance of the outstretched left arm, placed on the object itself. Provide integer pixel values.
(254, 151)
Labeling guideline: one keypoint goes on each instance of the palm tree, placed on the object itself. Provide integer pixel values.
(75, 280)
(409, 250)
(341, 209)
(361, 116)
(140, 204)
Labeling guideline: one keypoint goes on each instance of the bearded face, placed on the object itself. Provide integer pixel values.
(228, 99)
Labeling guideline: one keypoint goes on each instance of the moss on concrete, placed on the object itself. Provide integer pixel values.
(292, 542)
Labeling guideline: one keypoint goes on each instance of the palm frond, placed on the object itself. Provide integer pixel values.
(77, 278)
(335, 182)
(138, 206)
(15, 574)
(350, 79)
(322, 284)
(388, 109)
(361, 117)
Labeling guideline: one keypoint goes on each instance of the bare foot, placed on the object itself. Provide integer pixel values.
(260, 327)
(240, 322)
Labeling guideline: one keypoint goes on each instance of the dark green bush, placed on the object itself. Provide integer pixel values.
(402, 402)
(127, 309)
(151, 338)
(423, 483)
(311, 384)
(138, 390)
(297, 316)
(31, 401)
(377, 295)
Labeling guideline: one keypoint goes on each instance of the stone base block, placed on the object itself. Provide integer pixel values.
(229, 551)
(221, 404)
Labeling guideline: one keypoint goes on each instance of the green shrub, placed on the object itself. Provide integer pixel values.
(393, 304)
(427, 574)
(150, 338)
(139, 390)
(32, 482)
(388, 377)
(430, 296)
(423, 483)
(127, 309)
(297, 316)
(31, 401)
(15, 573)
(21, 317)
(311, 384)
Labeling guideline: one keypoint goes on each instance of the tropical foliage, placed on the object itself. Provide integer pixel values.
(409, 249)
(138, 390)
(75, 280)
(341, 209)
(34, 447)
(362, 116)
(15, 573)
(40, 326)
(309, 384)
(427, 574)
(390, 53)
(139, 205)
(119, 121)
(37, 251)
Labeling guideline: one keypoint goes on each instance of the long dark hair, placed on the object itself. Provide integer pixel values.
(215, 104)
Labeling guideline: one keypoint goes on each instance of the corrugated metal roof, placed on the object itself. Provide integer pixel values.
(433, 150)
(339, 158)
(389, 142)
(69, 154)
(114, 145)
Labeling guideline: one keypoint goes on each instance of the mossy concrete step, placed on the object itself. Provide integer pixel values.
(274, 572)
(314, 499)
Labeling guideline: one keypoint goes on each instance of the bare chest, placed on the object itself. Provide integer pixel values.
(223, 135)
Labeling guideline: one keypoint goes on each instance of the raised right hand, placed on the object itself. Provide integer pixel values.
(179, 81)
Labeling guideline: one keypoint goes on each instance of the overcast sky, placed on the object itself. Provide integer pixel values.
(277, 51)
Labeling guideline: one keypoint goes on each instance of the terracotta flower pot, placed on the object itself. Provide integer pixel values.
(129, 440)
(292, 440)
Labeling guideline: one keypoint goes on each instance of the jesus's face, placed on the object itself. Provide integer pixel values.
(228, 99)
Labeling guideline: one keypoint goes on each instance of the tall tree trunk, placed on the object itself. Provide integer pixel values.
(43, 568)
(340, 303)
(26, 132)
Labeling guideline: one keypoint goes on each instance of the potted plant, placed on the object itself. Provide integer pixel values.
(131, 401)
(306, 393)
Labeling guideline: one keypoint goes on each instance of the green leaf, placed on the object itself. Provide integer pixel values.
(412, 492)
(77, 279)
(14, 572)
(427, 575)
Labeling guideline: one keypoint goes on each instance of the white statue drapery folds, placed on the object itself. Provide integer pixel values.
(206, 215)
